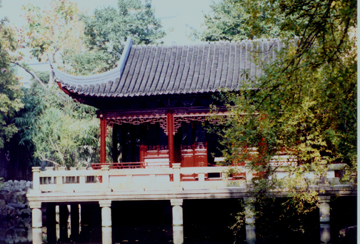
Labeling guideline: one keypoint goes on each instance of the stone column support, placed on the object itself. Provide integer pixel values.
(36, 235)
(250, 219)
(177, 214)
(324, 218)
(105, 213)
(36, 178)
(106, 235)
(36, 214)
(324, 209)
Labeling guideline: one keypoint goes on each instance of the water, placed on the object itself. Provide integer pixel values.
(205, 221)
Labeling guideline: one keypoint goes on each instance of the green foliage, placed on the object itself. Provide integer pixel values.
(304, 106)
(228, 20)
(10, 93)
(106, 32)
(87, 62)
(52, 31)
(58, 130)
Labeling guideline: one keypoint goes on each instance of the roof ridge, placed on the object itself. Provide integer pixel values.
(208, 42)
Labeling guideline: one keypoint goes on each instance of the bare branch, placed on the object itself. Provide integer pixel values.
(50, 161)
(37, 80)
(32, 74)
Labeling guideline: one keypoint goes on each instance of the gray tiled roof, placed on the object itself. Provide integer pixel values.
(155, 70)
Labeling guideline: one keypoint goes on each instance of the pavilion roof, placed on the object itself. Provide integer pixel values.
(147, 70)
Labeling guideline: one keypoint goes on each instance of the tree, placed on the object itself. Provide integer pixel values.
(61, 132)
(303, 106)
(55, 128)
(10, 93)
(52, 31)
(107, 30)
(228, 22)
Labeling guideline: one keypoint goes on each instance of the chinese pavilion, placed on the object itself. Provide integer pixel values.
(157, 101)
(158, 97)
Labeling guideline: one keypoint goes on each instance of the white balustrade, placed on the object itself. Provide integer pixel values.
(104, 179)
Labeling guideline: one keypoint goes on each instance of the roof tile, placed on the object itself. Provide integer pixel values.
(155, 70)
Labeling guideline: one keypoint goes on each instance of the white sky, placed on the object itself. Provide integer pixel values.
(177, 16)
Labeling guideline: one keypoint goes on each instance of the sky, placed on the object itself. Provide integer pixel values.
(177, 18)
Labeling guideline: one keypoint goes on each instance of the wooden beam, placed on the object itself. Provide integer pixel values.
(171, 132)
(102, 139)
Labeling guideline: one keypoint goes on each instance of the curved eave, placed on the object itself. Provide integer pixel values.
(71, 82)
(71, 91)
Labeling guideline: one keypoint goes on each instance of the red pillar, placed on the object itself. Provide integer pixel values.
(171, 132)
(102, 139)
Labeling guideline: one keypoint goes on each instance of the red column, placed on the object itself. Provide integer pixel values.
(102, 139)
(171, 132)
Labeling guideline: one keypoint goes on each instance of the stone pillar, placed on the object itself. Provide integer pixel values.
(250, 219)
(36, 214)
(37, 235)
(105, 213)
(51, 222)
(106, 235)
(177, 217)
(74, 221)
(36, 222)
(36, 178)
(324, 217)
(106, 221)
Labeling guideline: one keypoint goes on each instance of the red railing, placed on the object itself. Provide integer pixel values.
(126, 165)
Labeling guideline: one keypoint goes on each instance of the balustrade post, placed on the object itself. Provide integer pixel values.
(324, 218)
(177, 220)
(176, 174)
(201, 176)
(250, 220)
(36, 178)
(59, 179)
(105, 175)
(249, 176)
(82, 179)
